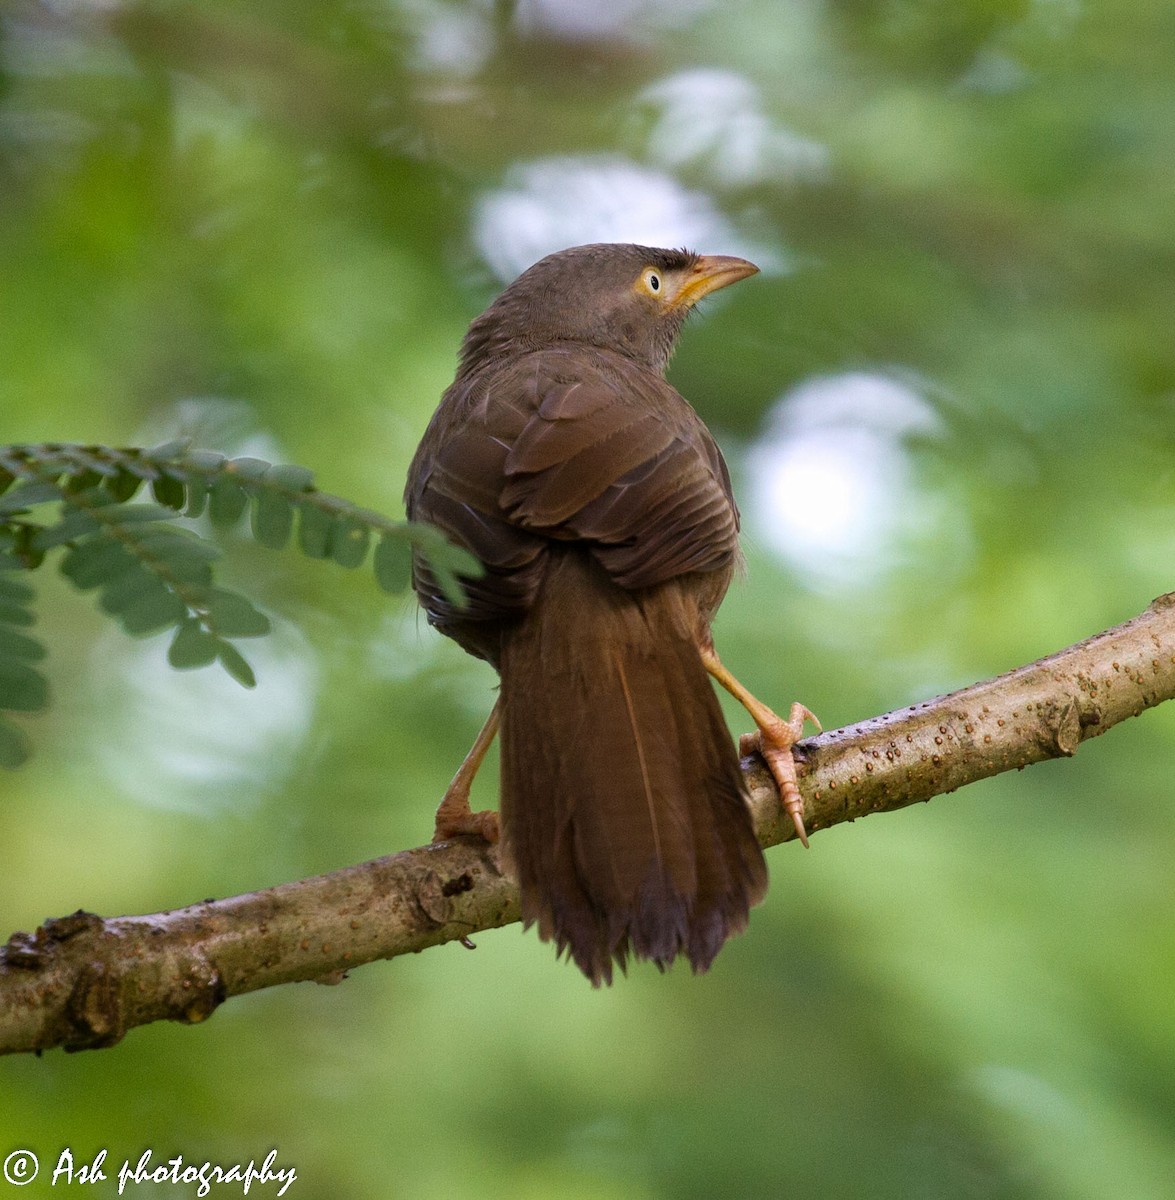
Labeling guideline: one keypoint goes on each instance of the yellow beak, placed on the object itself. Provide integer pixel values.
(708, 274)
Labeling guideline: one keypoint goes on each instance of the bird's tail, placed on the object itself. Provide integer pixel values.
(623, 812)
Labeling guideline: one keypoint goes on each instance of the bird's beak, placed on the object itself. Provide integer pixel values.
(708, 274)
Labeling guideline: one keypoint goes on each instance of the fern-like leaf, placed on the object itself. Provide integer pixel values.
(153, 575)
(22, 687)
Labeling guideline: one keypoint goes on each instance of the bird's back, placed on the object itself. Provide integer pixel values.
(569, 444)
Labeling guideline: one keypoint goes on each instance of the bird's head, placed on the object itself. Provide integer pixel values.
(621, 297)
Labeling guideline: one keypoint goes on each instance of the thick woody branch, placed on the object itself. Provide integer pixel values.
(1040, 711)
(82, 981)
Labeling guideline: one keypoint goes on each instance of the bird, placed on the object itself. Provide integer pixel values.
(602, 513)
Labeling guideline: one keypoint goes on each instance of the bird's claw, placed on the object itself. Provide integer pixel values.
(454, 819)
(773, 740)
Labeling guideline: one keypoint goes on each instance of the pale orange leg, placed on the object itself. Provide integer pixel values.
(454, 816)
(773, 739)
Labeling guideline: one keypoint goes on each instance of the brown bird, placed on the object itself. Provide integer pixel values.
(602, 511)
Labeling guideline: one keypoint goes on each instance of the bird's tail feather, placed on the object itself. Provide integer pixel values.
(623, 812)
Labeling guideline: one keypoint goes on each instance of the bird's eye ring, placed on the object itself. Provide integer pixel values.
(653, 281)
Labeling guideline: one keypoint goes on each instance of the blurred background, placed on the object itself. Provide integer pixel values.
(948, 402)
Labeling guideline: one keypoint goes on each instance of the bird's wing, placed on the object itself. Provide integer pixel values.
(569, 444)
(575, 446)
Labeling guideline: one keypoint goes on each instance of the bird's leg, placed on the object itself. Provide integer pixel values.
(773, 739)
(453, 815)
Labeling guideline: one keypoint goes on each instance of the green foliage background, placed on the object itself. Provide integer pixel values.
(264, 226)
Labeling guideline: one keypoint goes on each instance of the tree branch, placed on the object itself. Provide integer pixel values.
(82, 981)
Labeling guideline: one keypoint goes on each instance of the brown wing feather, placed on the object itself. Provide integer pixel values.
(569, 444)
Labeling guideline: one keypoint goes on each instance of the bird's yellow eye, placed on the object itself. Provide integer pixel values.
(652, 281)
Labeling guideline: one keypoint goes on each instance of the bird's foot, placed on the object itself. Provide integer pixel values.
(454, 819)
(774, 740)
